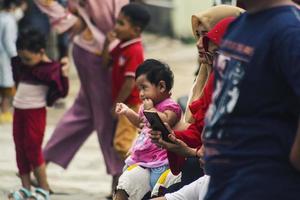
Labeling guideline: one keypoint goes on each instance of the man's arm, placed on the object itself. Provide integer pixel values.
(289, 63)
(295, 152)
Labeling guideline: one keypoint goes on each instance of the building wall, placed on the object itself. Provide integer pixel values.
(181, 15)
(173, 17)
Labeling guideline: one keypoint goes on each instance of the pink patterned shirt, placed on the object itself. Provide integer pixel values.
(143, 151)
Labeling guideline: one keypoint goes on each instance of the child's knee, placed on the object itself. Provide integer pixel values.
(135, 182)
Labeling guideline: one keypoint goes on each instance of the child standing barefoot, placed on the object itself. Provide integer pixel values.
(40, 82)
(147, 161)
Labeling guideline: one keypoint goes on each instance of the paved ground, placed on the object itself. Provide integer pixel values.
(86, 177)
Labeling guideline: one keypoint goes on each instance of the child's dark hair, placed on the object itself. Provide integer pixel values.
(31, 40)
(137, 14)
(8, 4)
(156, 71)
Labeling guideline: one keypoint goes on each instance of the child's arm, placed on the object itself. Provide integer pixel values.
(126, 89)
(124, 93)
(295, 152)
(167, 116)
(133, 117)
(110, 37)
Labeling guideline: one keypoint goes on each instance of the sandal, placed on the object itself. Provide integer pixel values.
(33, 181)
(41, 194)
(21, 194)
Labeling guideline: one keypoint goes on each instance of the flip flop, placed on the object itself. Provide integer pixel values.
(42, 194)
(34, 183)
(21, 194)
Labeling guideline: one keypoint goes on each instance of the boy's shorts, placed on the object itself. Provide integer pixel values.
(125, 134)
(7, 91)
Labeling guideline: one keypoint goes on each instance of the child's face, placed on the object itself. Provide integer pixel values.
(148, 90)
(124, 29)
(30, 58)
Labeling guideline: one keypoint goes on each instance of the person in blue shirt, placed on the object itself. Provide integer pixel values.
(254, 116)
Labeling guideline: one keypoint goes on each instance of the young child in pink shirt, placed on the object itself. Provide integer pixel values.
(147, 161)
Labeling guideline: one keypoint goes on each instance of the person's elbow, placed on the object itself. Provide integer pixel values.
(295, 159)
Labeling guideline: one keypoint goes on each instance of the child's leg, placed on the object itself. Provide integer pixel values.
(19, 135)
(133, 183)
(25, 179)
(41, 176)
(125, 134)
(120, 195)
(33, 141)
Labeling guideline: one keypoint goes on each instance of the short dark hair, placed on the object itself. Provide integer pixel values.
(7, 4)
(31, 40)
(156, 71)
(137, 14)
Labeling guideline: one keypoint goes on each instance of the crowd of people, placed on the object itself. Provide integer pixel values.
(239, 137)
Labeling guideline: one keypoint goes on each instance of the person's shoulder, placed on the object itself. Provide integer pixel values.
(287, 23)
(133, 46)
(171, 105)
(284, 17)
(170, 101)
(289, 15)
(167, 103)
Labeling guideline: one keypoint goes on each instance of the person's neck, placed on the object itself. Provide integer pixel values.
(129, 39)
(162, 98)
(254, 6)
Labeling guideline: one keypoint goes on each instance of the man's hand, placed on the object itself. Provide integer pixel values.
(295, 151)
(177, 146)
(200, 155)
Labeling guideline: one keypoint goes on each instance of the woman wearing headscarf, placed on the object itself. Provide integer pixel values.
(190, 134)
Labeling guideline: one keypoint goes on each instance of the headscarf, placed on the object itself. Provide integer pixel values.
(208, 18)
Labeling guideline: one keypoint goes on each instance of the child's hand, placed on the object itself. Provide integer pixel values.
(66, 67)
(148, 104)
(111, 36)
(121, 108)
